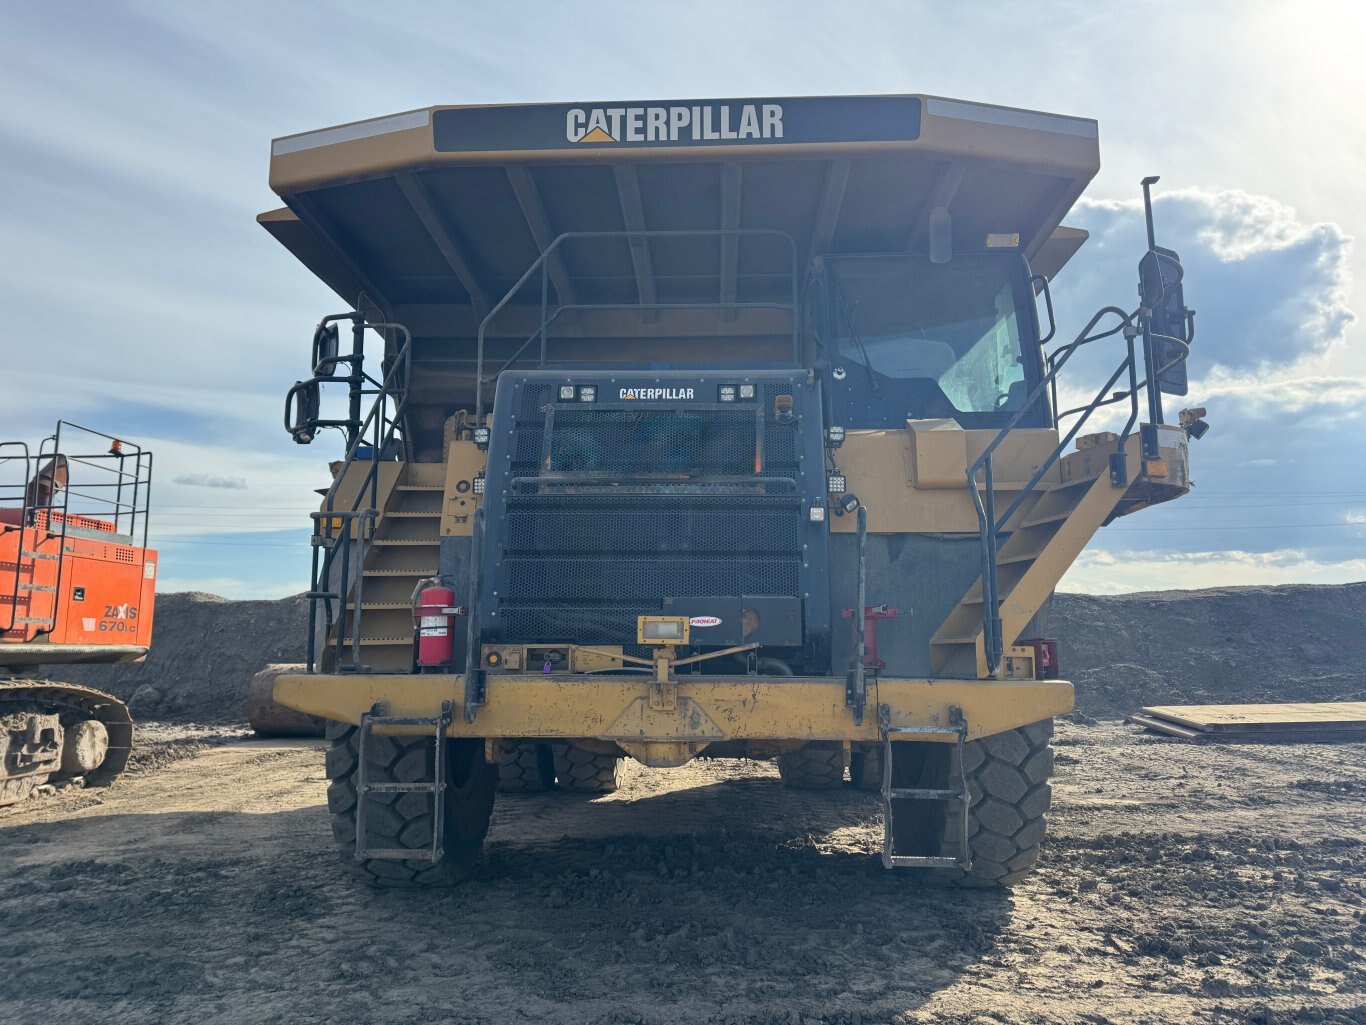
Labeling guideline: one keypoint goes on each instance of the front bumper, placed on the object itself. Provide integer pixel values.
(704, 710)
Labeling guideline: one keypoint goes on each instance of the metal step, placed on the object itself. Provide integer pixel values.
(956, 639)
(405, 515)
(959, 731)
(414, 573)
(407, 542)
(419, 487)
(1040, 521)
(919, 861)
(39, 555)
(1023, 557)
(437, 787)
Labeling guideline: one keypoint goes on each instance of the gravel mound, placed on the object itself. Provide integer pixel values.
(1217, 646)
(205, 650)
(1228, 644)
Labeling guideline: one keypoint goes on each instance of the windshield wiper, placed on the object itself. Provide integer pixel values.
(858, 339)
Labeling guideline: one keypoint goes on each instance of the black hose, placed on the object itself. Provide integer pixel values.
(774, 667)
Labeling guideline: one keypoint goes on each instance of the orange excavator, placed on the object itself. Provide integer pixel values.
(77, 583)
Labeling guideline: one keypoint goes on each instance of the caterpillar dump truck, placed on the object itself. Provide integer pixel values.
(723, 428)
(77, 583)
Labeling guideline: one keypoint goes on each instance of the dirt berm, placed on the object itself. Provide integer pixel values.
(1219, 645)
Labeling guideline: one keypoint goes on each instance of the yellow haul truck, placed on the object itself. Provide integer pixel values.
(707, 427)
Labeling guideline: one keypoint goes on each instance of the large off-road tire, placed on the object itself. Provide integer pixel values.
(585, 771)
(406, 820)
(1007, 777)
(526, 768)
(818, 765)
(865, 769)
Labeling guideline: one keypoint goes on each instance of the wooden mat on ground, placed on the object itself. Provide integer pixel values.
(1306, 722)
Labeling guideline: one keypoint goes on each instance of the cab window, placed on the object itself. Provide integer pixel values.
(908, 339)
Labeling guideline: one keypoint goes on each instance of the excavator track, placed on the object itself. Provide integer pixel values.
(72, 704)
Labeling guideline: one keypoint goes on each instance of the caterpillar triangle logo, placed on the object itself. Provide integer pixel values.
(597, 135)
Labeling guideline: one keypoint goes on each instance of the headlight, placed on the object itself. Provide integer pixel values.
(834, 436)
(481, 437)
(836, 484)
(817, 514)
(726, 393)
(747, 391)
(566, 393)
(479, 484)
(588, 393)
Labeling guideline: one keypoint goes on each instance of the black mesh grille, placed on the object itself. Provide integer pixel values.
(654, 441)
(619, 508)
(584, 624)
(567, 525)
(602, 579)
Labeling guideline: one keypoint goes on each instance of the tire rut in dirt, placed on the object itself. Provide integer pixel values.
(585, 771)
(406, 820)
(526, 768)
(818, 765)
(1007, 777)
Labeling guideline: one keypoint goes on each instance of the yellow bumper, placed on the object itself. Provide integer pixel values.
(704, 710)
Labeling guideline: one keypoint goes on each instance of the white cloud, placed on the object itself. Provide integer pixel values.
(1268, 289)
(1122, 572)
(276, 493)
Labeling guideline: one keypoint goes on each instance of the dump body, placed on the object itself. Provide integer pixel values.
(729, 423)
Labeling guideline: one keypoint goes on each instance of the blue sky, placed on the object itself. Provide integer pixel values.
(141, 297)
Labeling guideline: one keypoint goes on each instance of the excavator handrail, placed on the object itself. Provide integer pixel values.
(51, 512)
(23, 522)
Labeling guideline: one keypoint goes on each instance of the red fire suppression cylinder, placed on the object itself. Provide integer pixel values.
(435, 614)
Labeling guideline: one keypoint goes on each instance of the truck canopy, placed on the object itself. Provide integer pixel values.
(431, 216)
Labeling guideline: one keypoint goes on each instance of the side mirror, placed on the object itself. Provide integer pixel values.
(302, 405)
(326, 346)
(1159, 287)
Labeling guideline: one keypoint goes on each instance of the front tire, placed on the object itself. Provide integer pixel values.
(1007, 777)
(578, 769)
(405, 820)
(817, 765)
(526, 768)
(865, 769)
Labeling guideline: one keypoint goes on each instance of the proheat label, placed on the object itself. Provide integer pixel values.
(671, 123)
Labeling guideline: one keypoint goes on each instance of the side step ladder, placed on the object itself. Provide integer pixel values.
(890, 794)
(437, 788)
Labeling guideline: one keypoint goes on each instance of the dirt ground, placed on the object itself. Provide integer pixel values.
(1180, 883)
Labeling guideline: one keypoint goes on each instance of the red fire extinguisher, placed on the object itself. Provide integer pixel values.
(434, 613)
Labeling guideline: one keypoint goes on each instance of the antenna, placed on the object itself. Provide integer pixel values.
(1147, 184)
